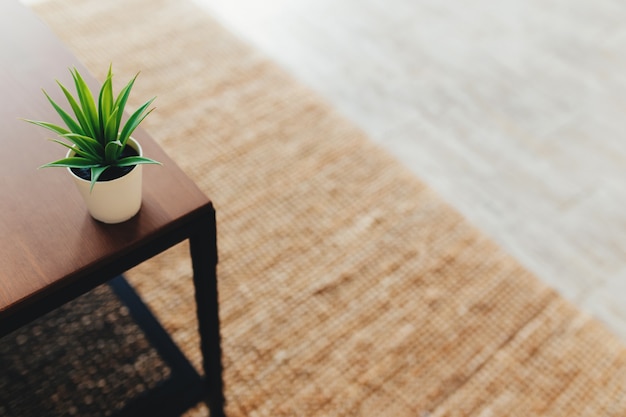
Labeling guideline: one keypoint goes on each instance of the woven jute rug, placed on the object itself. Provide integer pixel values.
(347, 287)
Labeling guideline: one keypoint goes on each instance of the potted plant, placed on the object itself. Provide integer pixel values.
(102, 157)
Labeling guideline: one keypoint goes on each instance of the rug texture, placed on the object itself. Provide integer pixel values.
(347, 286)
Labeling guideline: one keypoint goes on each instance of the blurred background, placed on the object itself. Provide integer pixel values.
(512, 110)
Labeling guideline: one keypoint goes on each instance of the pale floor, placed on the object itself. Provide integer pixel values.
(513, 110)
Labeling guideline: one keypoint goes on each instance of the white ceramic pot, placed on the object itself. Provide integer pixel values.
(113, 201)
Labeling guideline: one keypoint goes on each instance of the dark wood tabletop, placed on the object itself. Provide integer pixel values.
(48, 239)
(51, 249)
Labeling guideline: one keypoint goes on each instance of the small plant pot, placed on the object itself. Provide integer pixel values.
(116, 200)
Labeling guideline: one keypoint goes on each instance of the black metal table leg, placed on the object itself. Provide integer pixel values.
(203, 247)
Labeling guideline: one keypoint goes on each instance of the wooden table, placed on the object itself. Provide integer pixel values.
(51, 250)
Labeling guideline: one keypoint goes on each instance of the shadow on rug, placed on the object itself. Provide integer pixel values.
(87, 358)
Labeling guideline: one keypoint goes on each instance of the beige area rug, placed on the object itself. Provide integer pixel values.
(347, 287)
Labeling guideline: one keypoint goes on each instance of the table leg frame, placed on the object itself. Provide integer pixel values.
(203, 248)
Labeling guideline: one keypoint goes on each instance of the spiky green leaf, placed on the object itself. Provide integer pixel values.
(50, 126)
(71, 162)
(134, 120)
(111, 128)
(135, 160)
(121, 100)
(112, 151)
(87, 104)
(96, 172)
(105, 107)
(79, 151)
(86, 128)
(71, 124)
(86, 143)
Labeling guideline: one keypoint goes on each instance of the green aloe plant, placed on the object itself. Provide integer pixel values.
(96, 133)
